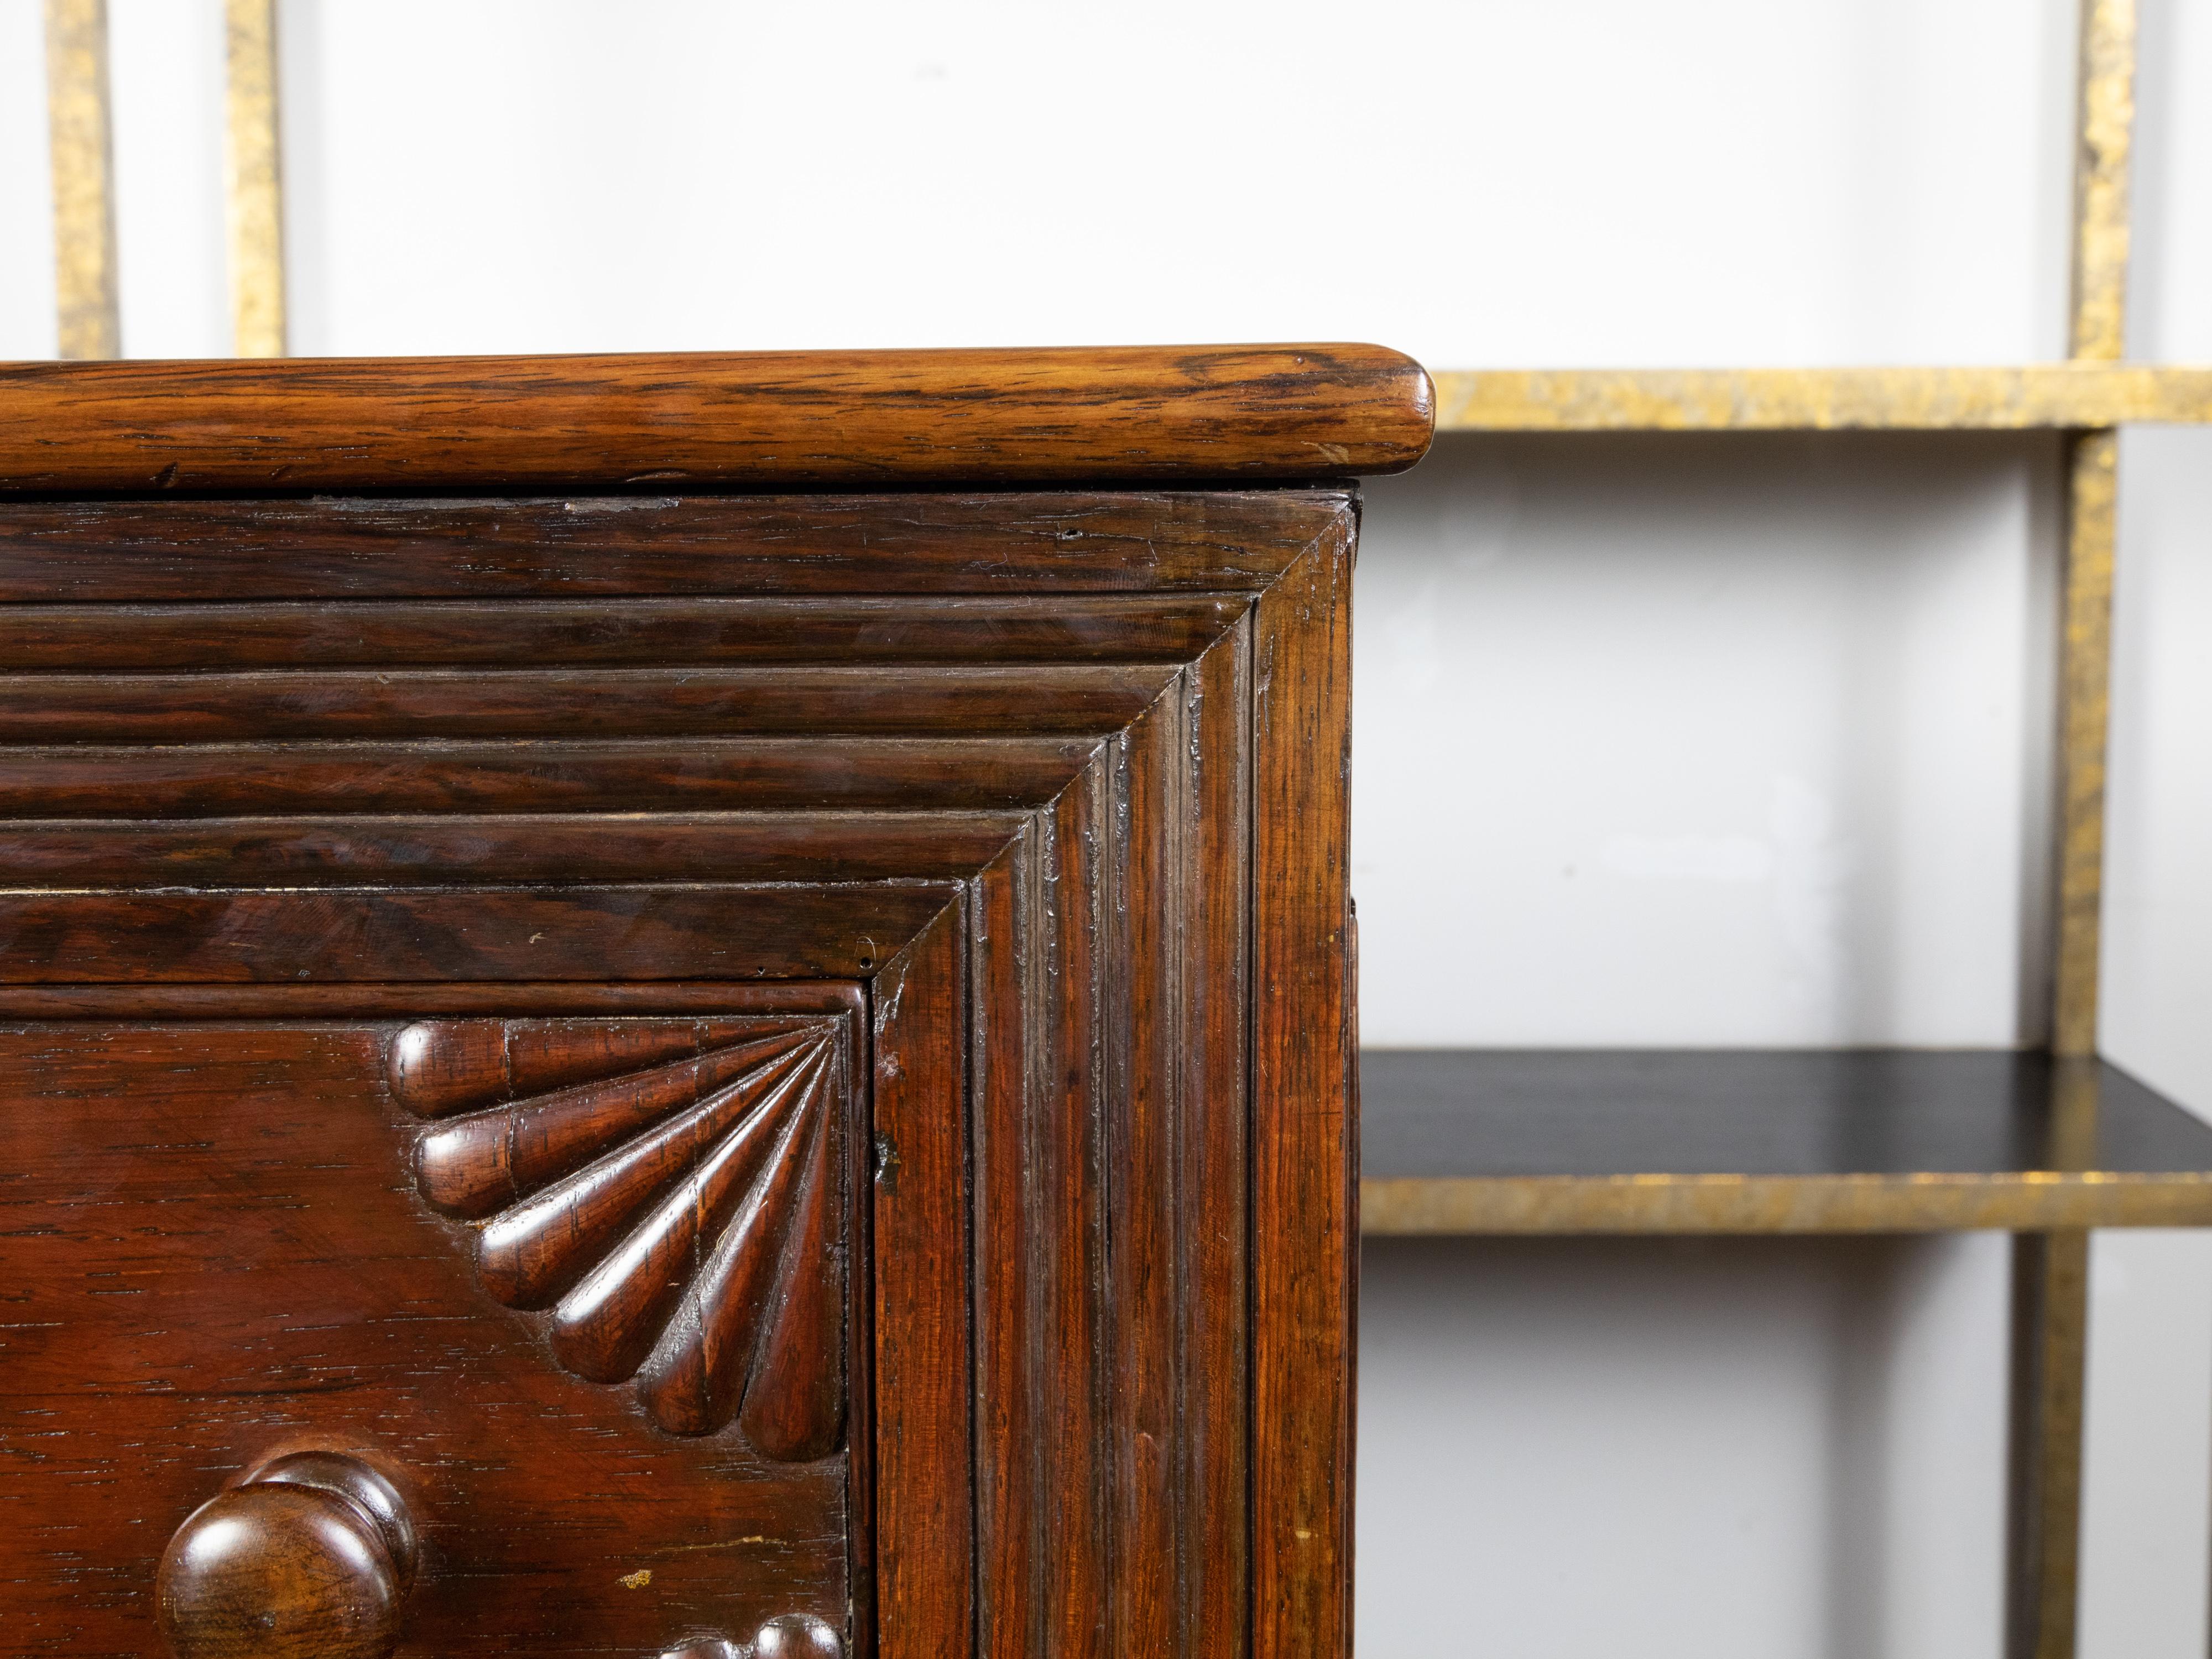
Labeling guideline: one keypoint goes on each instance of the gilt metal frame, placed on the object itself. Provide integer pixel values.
(2084, 399)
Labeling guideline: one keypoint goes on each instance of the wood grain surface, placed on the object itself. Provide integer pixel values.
(923, 1592)
(1073, 627)
(231, 1263)
(759, 420)
(1305, 1239)
(1019, 542)
(311, 1557)
(1051, 783)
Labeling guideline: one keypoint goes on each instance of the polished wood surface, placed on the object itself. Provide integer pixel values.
(787, 1637)
(466, 863)
(646, 632)
(1305, 1159)
(601, 1158)
(222, 1256)
(1022, 543)
(925, 1409)
(310, 1557)
(1475, 1140)
(755, 420)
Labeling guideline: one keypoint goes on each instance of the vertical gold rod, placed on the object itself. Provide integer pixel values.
(83, 155)
(254, 181)
(2051, 1305)
(2085, 679)
(2051, 1292)
(2050, 1365)
(2096, 333)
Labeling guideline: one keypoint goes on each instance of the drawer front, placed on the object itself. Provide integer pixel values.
(370, 865)
(577, 1285)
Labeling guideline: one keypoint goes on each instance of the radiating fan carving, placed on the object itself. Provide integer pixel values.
(669, 1191)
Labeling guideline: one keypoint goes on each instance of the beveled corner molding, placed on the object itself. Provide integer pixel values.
(670, 1190)
(1047, 785)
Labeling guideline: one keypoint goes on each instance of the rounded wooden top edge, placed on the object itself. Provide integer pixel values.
(1298, 413)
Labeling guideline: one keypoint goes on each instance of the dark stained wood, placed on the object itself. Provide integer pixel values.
(1210, 812)
(1122, 541)
(761, 419)
(1305, 1240)
(656, 632)
(436, 1067)
(311, 1557)
(642, 931)
(458, 914)
(231, 1265)
(794, 1403)
(790, 1636)
(1044, 1531)
(1005, 974)
(1110, 1032)
(924, 1401)
(1143, 1111)
(344, 703)
(649, 1211)
(777, 1003)
(748, 847)
(489, 1160)
(619, 775)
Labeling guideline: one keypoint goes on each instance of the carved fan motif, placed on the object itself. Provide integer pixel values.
(669, 1189)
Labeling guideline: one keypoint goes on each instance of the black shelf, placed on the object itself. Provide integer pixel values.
(1828, 1140)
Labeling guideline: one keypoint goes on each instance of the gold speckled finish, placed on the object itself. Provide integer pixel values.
(2085, 672)
(83, 161)
(2062, 396)
(2098, 331)
(254, 180)
(1720, 1204)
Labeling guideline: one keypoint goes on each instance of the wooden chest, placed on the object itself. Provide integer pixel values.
(704, 1003)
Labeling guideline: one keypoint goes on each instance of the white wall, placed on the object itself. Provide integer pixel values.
(1660, 741)
(2147, 1526)
(1598, 181)
(1738, 737)
(26, 239)
(166, 84)
(1680, 1448)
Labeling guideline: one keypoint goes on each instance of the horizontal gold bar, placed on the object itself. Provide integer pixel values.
(2014, 1201)
(2062, 396)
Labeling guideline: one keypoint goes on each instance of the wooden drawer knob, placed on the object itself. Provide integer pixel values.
(793, 1636)
(311, 1558)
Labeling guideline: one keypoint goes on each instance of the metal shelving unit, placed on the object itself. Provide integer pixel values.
(1868, 1141)
(2044, 1144)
